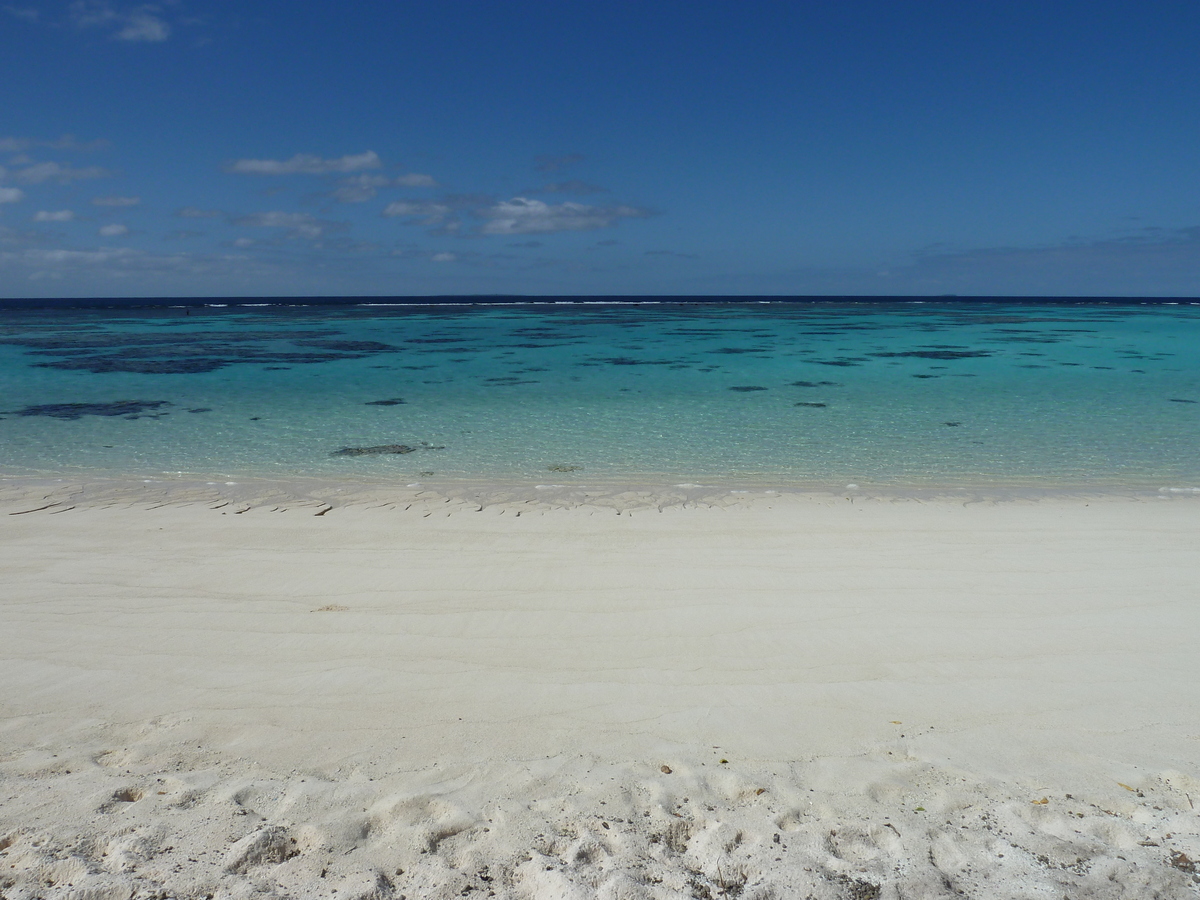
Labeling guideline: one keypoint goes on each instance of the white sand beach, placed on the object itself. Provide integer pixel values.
(791, 696)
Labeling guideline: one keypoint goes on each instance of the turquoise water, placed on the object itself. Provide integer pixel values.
(896, 394)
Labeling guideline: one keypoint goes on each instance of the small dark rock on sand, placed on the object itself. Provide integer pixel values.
(745, 388)
(395, 401)
(813, 405)
(564, 468)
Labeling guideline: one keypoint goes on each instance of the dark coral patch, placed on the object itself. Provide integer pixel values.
(630, 361)
(348, 346)
(747, 388)
(77, 410)
(384, 450)
(190, 352)
(937, 354)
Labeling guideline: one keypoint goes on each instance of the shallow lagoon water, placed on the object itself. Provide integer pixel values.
(887, 394)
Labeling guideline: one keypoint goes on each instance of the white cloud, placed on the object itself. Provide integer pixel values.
(568, 187)
(116, 201)
(432, 213)
(78, 256)
(444, 257)
(415, 179)
(121, 270)
(24, 13)
(361, 188)
(306, 164)
(66, 142)
(670, 253)
(142, 26)
(557, 163)
(244, 242)
(521, 215)
(11, 195)
(141, 23)
(192, 212)
(88, 13)
(275, 220)
(52, 171)
(62, 215)
(299, 224)
(113, 230)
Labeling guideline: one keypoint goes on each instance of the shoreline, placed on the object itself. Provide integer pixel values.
(322, 495)
(797, 696)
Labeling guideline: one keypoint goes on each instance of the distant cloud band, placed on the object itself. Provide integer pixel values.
(306, 164)
(116, 201)
(521, 215)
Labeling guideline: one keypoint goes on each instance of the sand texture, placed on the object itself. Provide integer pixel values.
(786, 698)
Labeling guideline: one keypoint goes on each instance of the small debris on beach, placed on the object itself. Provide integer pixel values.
(1183, 863)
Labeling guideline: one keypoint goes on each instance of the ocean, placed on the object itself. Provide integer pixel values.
(891, 393)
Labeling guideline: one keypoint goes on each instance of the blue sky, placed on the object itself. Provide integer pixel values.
(186, 148)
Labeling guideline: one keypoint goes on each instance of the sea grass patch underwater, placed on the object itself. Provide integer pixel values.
(1042, 393)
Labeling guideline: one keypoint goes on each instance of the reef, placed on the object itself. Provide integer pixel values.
(181, 352)
(130, 409)
(937, 354)
(384, 449)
